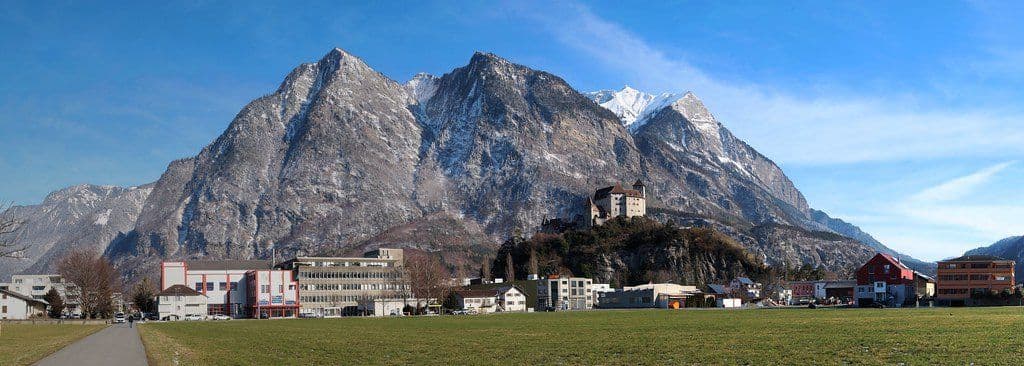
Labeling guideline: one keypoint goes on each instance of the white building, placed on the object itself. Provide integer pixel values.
(237, 288)
(476, 301)
(745, 286)
(599, 291)
(177, 301)
(333, 286)
(510, 298)
(17, 306)
(565, 293)
(655, 295)
(36, 287)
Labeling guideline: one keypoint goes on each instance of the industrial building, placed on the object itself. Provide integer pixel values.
(237, 288)
(655, 295)
(335, 286)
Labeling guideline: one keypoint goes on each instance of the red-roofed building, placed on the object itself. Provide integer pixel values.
(884, 280)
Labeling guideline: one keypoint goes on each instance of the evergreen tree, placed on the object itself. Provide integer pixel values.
(53, 298)
(510, 270)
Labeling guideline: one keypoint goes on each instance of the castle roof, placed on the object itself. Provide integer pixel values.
(616, 189)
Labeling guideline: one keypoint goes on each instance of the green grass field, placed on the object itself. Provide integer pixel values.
(24, 344)
(982, 336)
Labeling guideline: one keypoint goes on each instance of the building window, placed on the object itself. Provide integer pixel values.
(234, 286)
(265, 289)
(223, 286)
(209, 286)
(199, 286)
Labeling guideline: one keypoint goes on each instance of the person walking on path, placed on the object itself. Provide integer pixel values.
(131, 321)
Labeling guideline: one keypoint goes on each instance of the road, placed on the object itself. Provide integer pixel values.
(117, 345)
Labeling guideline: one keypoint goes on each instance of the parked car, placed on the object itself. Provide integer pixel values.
(264, 315)
(152, 316)
(119, 318)
(459, 312)
(193, 317)
(220, 317)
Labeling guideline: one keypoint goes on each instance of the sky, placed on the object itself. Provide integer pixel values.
(902, 119)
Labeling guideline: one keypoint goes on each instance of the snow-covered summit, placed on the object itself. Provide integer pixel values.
(422, 86)
(632, 106)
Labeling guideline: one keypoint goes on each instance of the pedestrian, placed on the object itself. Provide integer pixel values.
(131, 321)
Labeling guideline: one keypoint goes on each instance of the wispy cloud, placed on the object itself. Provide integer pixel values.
(961, 186)
(830, 128)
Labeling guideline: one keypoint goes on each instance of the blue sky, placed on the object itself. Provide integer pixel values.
(902, 119)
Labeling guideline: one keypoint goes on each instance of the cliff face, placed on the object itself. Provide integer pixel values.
(340, 158)
(626, 252)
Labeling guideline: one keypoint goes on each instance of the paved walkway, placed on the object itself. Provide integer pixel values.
(117, 345)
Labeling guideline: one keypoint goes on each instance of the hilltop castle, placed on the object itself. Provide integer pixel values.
(615, 201)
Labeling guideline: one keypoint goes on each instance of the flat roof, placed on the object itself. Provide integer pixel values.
(228, 264)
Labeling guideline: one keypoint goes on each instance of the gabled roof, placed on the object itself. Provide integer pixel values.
(922, 275)
(228, 264)
(745, 280)
(179, 290)
(616, 189)
(504, 289)
(892, 260)
(22, 297)
(716, 289)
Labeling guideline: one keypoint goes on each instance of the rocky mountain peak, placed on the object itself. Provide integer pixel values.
(422, 86)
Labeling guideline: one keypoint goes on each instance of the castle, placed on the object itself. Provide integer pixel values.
(615, 201)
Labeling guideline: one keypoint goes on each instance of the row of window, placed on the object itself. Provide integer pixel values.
(332, 275)
(330, 298)
(975, 265)
(348, 286)
(973, 277)
(221, 286)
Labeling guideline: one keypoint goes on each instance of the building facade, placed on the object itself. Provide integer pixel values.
(615, 201)
(333, 286)
(510, 298)
(17, 306)
(972, 275)
(886, 281)
(177, 301)
(476, 301)
(565, 293)
(655, 295)
(36, 287)
(236, 287)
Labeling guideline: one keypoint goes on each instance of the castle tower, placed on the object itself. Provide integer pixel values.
(640, 187)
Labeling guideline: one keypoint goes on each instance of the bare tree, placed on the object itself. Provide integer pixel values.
(399, 286)
(428, 279)
(95, 278)
(510, 268)
(11, 245)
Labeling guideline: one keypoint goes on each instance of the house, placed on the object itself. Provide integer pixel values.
(237, 288)
(884, 280)
(655, 295)
(17, 306)
(36, 287)
(330, 285)
(961, 280)
(476, 301)
(717, 290)
(615, 201)
(746, 287)
(510, 298)
(599, 291)
(925, 285)
(565, 293)
(177, 301)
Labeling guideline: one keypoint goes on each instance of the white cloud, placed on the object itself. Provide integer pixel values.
(830, 128)
(959, 187)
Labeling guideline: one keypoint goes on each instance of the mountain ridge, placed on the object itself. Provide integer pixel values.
(339, 155)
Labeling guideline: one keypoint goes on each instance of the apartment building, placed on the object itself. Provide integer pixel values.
(36, 287)
(884, 280)
(565, 293)
(334, 286)
(960, 278)
(237, 288)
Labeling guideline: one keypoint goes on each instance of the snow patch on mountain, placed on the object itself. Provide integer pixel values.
(422, 86)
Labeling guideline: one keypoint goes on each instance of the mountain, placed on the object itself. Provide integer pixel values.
(1011, 248)
(82, 216)
(341, 158)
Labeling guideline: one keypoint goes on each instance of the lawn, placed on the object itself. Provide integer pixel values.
(983, 336)
(24, 344)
